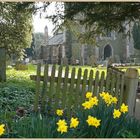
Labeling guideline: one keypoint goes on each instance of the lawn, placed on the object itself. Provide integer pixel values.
(95, 69)
(18, 93)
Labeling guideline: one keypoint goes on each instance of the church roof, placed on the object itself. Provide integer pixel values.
(56, 39)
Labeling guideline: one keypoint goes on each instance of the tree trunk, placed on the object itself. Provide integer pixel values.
(2, 64)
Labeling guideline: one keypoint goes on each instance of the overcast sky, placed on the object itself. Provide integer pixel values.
(40, 23)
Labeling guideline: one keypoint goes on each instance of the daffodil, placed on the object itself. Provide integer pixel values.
(114, 100)
(62, 129)
(2, 129)
(108, 99)
(102, 94)
(92, 121)
(61, 122)
(87, 105)
(62, 126)
(88, 95)
(59, 112)
(116, 113)
(74, 122)
(124, 108)
(93, 101)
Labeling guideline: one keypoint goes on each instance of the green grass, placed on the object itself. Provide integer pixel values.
(95, 69)
(32, 69)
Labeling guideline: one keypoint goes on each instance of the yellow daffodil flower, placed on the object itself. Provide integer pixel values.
(87, 105)
(74, 122)
(124, 108)
(2, 129)
(93, 101)
(92, 121)
(62, 126)
(88, 95)
(102, 94)
(59, 112)
(62, 129)
(61, 122)
(116, 113)
(114, 100)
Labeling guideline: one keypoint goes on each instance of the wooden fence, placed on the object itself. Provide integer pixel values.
(67, 91)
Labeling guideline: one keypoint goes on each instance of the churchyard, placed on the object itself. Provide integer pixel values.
(80, 79)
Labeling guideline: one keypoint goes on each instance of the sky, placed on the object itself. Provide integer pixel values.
(40, 23)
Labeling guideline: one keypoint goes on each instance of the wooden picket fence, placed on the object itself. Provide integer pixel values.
(66, 89)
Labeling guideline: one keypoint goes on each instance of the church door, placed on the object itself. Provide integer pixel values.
(107, 51)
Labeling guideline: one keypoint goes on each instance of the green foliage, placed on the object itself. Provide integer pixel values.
(106, 15)
(17, 91)
(36, 127)
(97, 18)
(16, 27)
(13, 97)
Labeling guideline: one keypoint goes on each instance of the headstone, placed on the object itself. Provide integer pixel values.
(110, 61)
(27, 60)
(88, 61)
(73, 61)
(81, 61)
(93, 61)
(105, 63)
(64, 61)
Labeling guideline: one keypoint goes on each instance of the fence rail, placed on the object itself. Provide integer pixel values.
(69, 92)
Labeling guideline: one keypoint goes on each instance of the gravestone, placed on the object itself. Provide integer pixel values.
(81, 61)
(64, 61)
(73, 61)
(88, 61)
(110, 61)
(92, 61)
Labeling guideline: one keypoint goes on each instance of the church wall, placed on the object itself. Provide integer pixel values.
(118, 46)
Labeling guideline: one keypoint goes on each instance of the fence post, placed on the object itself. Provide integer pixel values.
(131, 84)
(2, 64)
(36, 102)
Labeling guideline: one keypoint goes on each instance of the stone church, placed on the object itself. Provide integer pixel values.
(64, 47)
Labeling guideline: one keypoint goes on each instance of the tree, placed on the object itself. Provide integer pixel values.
(16, 28)
(99, 17)
(136, 35)
(105, 15)
(15, 31)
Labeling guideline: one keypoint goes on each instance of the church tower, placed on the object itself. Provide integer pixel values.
(46, 36)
